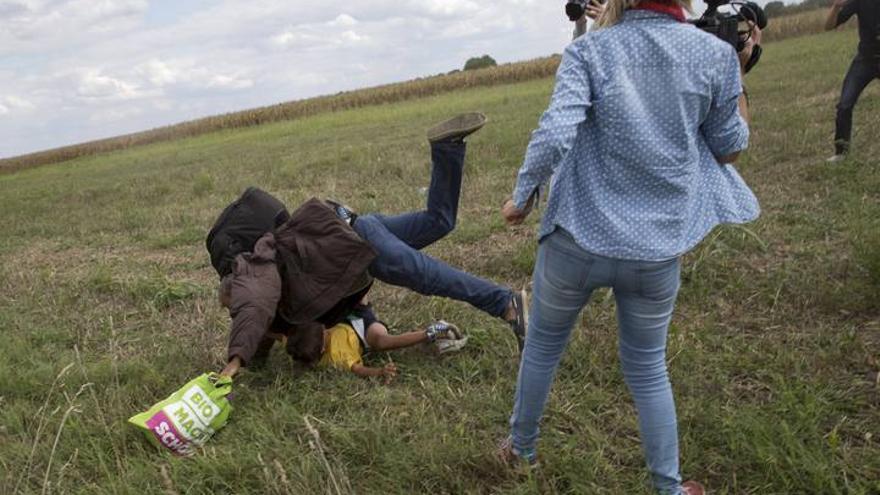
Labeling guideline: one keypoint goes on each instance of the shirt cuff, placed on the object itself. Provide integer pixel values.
(240, 352)
(521, 196)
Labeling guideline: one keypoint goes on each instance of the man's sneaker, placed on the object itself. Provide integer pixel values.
(457, 127)
(518, 324)
(444, 346)
(510, 456)
(692, 488)
(836, 158)
(445, 337)
(438, 330)
(342, 211)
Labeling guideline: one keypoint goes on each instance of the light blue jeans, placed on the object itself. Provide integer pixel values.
(565, 275)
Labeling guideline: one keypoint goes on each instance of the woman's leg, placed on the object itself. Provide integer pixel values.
(423, 228)
(645, 293)
(560, 291)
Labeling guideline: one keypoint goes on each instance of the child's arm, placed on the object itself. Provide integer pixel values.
(389, 371)
(379, 339)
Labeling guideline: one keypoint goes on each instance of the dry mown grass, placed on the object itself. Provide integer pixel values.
(801, 24)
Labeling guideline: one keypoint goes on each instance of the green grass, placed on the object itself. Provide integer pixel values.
(106, 306)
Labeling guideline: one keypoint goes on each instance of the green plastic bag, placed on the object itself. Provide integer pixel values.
(189, 416)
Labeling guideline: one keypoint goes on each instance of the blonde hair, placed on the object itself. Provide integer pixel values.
(614, 10)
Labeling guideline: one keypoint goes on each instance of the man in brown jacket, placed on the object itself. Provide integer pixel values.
(310, 272)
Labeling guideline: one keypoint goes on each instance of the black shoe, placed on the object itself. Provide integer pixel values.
(343, 212)
(457, 127)
(520, 321)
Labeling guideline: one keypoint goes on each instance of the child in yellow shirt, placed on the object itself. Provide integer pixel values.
(345, 344)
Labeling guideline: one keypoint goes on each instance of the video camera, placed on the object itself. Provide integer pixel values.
(726, 25)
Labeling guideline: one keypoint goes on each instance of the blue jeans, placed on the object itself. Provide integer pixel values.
(861, 72)
(565, 275)
(398, 239)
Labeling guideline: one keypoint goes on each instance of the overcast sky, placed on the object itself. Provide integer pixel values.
(77, 70)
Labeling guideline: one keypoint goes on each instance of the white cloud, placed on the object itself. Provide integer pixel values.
(35, 25)
(293, 38)
(353, 37)
(450, 8)
(12, 102)
(114, 114)
(157, 72)
(343, 20)
(228, 82)
(94, 84)
(185, 73)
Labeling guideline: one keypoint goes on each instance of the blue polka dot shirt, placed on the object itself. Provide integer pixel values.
(639, 112)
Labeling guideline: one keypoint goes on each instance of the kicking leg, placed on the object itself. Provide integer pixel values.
(399, 264)
(423, 228)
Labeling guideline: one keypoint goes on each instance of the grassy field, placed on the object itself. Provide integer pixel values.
(107, 305)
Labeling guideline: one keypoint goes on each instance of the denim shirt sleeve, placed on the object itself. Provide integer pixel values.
(725, 130)
(558, 126)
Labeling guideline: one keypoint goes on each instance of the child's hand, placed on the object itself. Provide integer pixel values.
(389, 371)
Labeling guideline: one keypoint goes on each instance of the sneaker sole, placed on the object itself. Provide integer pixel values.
(521, 338)
(525, 300)
(444, 346)
(459, 126)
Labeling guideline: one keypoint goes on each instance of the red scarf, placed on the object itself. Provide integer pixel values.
(667, 8)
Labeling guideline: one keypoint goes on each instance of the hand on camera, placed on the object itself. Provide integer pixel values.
(754, 40)
(594, 9)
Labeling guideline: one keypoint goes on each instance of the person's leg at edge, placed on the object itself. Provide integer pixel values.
(397, 263)
(645, 295)
(423, 228)
(560, 292)
(858, 76)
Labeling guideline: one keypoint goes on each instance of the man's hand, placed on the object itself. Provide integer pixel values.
(754, 39)
(831, 20)
(513, 215)
(232, 367)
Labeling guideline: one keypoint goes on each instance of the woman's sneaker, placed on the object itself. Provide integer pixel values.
(445, 337)
(457, 128)
(510, 456)
(692, 488)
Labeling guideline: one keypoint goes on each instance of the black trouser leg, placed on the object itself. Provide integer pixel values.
(860, 73)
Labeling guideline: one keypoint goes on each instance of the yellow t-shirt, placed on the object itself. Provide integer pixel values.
(343, 350)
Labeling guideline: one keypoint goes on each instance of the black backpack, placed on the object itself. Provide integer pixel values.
(241, 224)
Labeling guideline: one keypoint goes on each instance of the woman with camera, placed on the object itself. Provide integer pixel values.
(646, 113)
